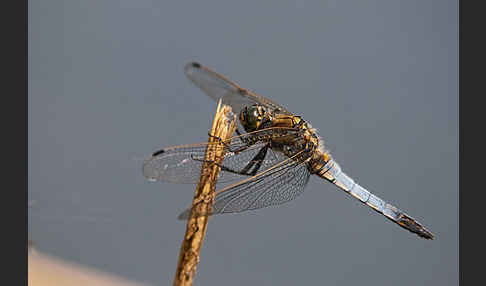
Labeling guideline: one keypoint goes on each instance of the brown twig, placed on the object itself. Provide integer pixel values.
(222, 128)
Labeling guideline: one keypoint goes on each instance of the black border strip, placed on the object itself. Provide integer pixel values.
(14, 138)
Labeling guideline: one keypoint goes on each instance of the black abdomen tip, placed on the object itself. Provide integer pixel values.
(158, 153)
(410, 224)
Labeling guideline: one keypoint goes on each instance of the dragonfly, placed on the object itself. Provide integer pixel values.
(268, 161)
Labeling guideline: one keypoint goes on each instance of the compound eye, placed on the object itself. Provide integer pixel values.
(255, 112)
(243, 115)
(248, 118)
(251, 122)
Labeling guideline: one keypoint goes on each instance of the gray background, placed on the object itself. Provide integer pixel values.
(377, 78)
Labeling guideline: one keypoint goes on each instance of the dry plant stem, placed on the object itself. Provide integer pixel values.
(223, 128)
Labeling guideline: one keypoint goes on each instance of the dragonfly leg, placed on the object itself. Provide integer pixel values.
(219, 139)
(239, 133)
(237, 150)
(243, 139)
(257, 161)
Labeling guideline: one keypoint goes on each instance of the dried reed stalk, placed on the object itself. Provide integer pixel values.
(223, 127)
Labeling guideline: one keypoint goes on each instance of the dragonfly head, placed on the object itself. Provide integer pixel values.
(251, 117)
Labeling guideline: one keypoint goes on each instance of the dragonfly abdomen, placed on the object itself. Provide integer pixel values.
(332, 172)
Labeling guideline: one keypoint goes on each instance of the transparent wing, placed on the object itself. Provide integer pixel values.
(217, 86)
(182, 164)
(277, 185)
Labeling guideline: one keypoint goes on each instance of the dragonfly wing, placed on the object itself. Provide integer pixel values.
(277, 185)
(182, 164)
(179, 164)
(217, 86)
